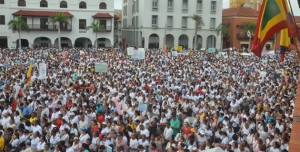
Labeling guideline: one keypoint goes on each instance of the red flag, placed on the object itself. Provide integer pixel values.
(165, 49)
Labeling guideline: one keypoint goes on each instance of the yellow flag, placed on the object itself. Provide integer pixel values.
(29, 70)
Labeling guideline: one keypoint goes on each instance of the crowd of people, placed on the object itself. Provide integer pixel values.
(195, 101)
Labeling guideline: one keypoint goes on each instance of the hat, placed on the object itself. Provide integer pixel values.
(72, 114)
(75, 138)
(84, 129)
(193, 130)
(104, 123)
(202, 132)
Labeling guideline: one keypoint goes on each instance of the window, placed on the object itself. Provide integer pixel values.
(154, 4)
(102, 5)
(213, 6)
(170, 3)
(185, 5)
(137, 5)
(154, 20)
(82, 23)
(2, 20)
(199, 5)
(44, 23)
(137, 21)
(1, 1)
(24, 19)
(184, 22)
(170, 21)
(133, 7)
(21, 3)
(63, 4)
(43, 3)
(212, 23)
(82, 5)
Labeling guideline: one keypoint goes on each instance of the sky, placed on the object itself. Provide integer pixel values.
(296, 9)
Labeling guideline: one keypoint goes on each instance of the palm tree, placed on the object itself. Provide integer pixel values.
(60, 18)
(221, 30)
(16, 26)
(96, 27)
(250, 26)
(198, 21)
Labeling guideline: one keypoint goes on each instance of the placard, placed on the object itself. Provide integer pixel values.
(179, 48)
(142, 107)
(100, 67)
(174, 53)
(42, 71)
(130, 50)
(211, 50)
(108, 149)
(141, 55)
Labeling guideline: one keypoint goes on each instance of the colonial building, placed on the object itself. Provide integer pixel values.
(43, 32)
(146, 23)
(118, 27)
(255, 4)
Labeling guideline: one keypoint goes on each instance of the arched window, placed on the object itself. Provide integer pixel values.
(21, 3)
(43, 3)
(102, 5)
(63, 4)
(82, 5)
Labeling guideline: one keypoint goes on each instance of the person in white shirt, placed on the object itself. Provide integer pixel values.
(41, 145)
(168, 132)
(84, 136)
(35, 127)
(144, 131)
(133, 143)
(15, 140)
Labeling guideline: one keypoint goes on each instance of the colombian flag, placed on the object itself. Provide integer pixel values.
(165, 49)
(285, 42)
(272, 19)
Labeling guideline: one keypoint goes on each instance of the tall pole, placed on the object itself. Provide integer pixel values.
(165, 38)
(249, 35)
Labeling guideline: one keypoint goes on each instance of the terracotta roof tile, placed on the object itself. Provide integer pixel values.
(102, 15)
(119, 16)
(241, 11)
(39, 13)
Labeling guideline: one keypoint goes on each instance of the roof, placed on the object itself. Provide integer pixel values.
(39, 13)
(102, 15)
(241, 11)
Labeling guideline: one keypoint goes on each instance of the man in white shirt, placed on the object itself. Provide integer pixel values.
(35, 127)
(144, 131)
(168, 132)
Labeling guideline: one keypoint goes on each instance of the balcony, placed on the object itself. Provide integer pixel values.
(43, 27)
(245, 36)
(107, 29)
(226, 35)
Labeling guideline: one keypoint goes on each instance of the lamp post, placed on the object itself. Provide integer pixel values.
(249, 35)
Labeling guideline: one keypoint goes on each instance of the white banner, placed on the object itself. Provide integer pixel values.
(42, 71)
(130, 50)
(141, 55)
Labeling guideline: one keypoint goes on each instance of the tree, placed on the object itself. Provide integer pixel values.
(16, 26)
(60, 18)
(198, 21)
(221, 30)
(96, 27)
(250, 26)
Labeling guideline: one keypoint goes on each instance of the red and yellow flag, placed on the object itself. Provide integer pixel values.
(165, 49)
(272, 18)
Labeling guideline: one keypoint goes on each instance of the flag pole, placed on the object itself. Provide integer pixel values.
(298, 36)
(165, 33)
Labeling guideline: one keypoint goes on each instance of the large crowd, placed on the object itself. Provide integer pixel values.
(194, 101)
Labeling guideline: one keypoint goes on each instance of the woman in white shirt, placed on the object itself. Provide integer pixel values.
(275, 147)
(76, 145)
(40, 146)
(133, 144)
(84, 136)
(15, 140)
(65, 136)
(35, 138)
(69, 147)
(144, 142)
(95, 141)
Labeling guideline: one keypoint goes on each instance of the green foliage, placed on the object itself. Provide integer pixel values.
(17, 24)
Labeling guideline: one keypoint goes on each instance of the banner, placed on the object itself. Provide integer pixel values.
(179, 48)
(141, 55)
(211, 50)
(42, 71)
(130, 50)
(142, 107)
(100, 67)
(174, 53)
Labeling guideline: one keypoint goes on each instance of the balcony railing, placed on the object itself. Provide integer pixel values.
(107, 29)
(245, 36)
(43, 27)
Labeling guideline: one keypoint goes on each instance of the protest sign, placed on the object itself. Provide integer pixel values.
(142, 107)
(42, 71)
(100, 67)
(130, 50)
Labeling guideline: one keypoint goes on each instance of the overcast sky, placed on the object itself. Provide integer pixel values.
(118, 5)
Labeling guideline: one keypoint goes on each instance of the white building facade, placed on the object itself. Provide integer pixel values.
(145, 23)
(43, 32)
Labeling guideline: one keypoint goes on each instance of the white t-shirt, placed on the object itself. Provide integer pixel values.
(83, 138)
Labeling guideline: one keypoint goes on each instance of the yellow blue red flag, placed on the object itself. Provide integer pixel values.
(272, 19)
